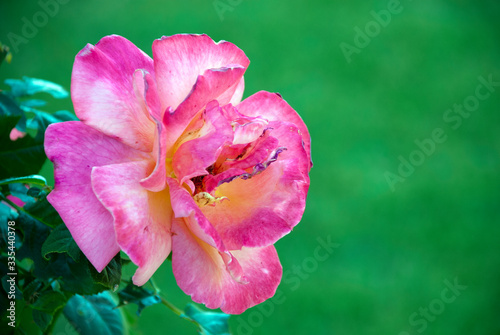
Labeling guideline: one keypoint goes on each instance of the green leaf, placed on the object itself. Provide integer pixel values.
(8, 106)
(24, 156)
(31, 290)
(6, 214)
(60, 240)
(34, 234)
(10, 109)
(19, 191)
(33, 180)
(6, 285)
(49, 301)
(43, 211)
(42, 319)
(211, 323)
(30, 86)
(43, 119)
(95, 315)
(111, 275)
(32, 103)
(138, 295)
(74, 277)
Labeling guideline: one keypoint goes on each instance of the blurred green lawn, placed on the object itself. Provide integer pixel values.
(396, 248)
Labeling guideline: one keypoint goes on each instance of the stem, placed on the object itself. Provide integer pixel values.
(164, 301)
(172, 307)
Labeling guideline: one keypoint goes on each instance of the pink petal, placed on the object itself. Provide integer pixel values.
(75, 149)
(249, 131)
(156, 180)
(103, 94)
(142, 218)
(268, 208)
(180, 59)
(238, 93)
(184, 206)
(214, 84)
(16, 134)
(15, 200)
(257, 153)
(193, 157)
(272, 107)
(211, 182)
(246, 128)
(290, 137)
(201, 272)
(145, 88)
(271, 203)
(147, 93)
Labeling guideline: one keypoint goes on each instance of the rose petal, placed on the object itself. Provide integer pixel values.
(102, 90)
(155, 182)
(184, 206)
(16, 134)
(201, 272)
(257, 216)
(272, 107)
(15, 200)
(258, 152)
(75, 149)
(180, 59)
(238, 92)
(142, 218)
(212, 182)
(193, 157)
(214, 84)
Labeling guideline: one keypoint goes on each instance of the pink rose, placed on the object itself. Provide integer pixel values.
(167, 158)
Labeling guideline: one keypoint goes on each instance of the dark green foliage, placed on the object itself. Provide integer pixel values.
(210, 323)
(140, 296)
(94, 315)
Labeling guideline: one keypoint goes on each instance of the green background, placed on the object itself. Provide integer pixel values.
(396, 248)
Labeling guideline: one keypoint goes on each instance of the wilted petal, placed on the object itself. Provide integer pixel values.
(212, 182)
(75, 149)
(102, 90)
(142, 218)
(200, 271)
(257, 153)
(272, 202)
(272, 107)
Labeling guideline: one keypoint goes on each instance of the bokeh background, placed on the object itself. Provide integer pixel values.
(396, 248)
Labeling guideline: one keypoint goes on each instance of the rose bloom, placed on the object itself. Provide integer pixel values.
(167, 159)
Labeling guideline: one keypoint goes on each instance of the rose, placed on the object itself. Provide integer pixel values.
(166, 158)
